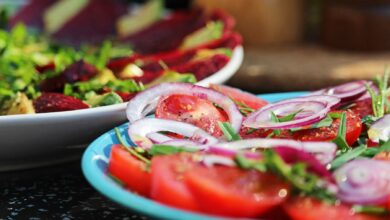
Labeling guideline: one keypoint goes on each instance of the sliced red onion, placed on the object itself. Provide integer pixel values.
(330, 101)
(380, 130)
(347, 91)
(211, 160)
(367, 95)
(323, 151)
(136, 108)
(310, 113)
(185, 143)
(232, 153)
(158, 138)
(364, 181)
(139, 131)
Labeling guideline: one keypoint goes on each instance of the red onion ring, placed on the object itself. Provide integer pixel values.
(136, 108)
(380, 130)
(311, 112)
(139, 131)
(211, 160)
(158, 138)
(323, 151)
(330, 101)
(347, 91)
(363, 181)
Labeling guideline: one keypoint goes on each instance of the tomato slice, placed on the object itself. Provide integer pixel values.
(131, 171)
(168, 186)
(305, 208)
(354, 128)
(362, 108)
(233, 192)
(193, 110)
(248, 99)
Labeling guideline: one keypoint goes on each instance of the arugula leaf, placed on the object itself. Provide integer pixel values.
(244, 108)
(376, 210)
(275, 119)
(131, 150)
(326, 122)
(379, 101)
(160, 149)
(340, 138)
(228, 131)
(289, 117)
(347, 156)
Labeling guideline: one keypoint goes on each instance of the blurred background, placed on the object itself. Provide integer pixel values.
(300, 44)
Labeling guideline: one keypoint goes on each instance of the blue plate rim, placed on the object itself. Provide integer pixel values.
(112, 190)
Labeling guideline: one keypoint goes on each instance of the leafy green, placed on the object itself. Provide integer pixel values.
(376, 210)
(379, 101)
(103, 100)
(131, 150)
(296, 174)
(160, 149)
(228, 131)
(326, 122)
(347, 156)
(340, 138)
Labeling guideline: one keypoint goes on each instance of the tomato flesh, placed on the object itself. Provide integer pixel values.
(168, 186)
(248, 99)
(131, 171)
(230, 191)
(199, 112)
(305, 208)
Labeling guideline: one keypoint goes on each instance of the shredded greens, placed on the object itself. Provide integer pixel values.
(228, 131)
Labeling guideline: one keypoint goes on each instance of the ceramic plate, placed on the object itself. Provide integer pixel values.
(94, 165)
(39, 139)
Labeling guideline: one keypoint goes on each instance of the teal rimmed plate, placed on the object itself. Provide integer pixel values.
(94, 165)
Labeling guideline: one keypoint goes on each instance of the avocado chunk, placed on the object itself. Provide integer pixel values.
(141, 18)
(61, 12)
(171, 76)
(212, 31)
(20, 105)
(103, 100)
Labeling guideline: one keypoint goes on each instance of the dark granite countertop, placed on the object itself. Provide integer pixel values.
(56, 192)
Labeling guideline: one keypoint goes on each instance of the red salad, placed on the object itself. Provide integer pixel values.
(224, 152)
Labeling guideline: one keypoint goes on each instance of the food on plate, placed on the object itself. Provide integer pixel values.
(52, 68)
(224, 152)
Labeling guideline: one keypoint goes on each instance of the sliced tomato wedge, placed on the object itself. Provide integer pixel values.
(193, 110)
(248, 99)
(354, 128)
(128, 169)
(362, 108)
(233, 192)
(305, 208)
(168, 186)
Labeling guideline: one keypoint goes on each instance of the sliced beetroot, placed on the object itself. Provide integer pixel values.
(47, 67)
(148, 76)
(76, 72)
(92, 24)
(31, 14)
(167, 34)
(204, 68)
(57, 102)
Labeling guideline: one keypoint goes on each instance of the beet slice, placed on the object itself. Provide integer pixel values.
(31, 14)
(92, 24)
(167, 34)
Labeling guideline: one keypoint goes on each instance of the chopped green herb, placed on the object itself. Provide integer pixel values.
(376, 210)
(335, 115)
(131, 150)
(244, 108)
(326, 122)
(379, 101)
(228, 131)
(340, 139)
(347, 156)
(275, 119)
(251, 130)
(159, 149)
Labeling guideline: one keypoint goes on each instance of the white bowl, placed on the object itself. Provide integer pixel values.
(39, 139)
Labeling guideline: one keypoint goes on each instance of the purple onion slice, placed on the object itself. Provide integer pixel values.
(363, 181)
(308, 112)
(347, 91)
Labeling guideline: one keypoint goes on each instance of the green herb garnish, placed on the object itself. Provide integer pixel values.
(375, 210)
(340, 138)
(130, 149)
(379, 101)
(228, 131)
(347, 156)
(161, 149)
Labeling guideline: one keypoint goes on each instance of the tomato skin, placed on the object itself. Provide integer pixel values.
(354, 128)
(230, 191)
(193, 110)
(248, 99)
(131, 171)
(168, 186)
(305, 208)
(362, 108)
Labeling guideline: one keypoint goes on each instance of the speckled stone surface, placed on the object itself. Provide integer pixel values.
(57, 192)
